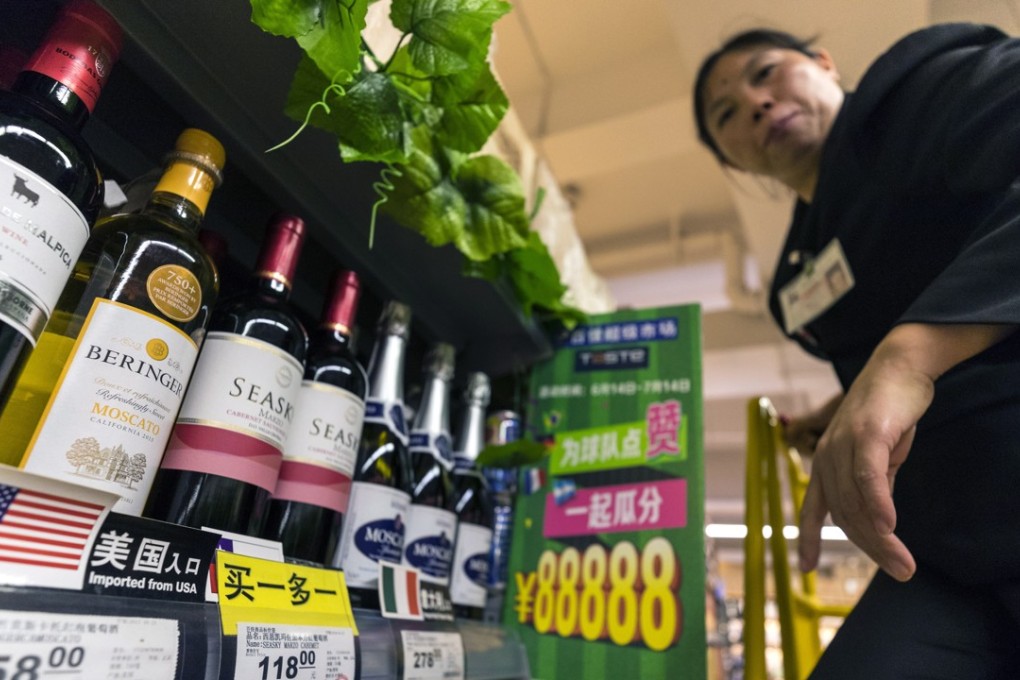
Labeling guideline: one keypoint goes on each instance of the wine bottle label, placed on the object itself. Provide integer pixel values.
(428, 542)
(110, 415)
(238, 410)
(321, 447)
(42, 233)
(439, 446)
(471, 565)
(373, 531)
(389, 414)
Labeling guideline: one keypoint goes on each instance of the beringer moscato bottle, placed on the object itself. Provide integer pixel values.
(224, 454)
(373, 530)
(312, 492)
(98, 397)
(50, 188)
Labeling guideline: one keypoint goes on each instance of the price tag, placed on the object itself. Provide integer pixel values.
(275, 652)
(431, 655)
(41, 645)
(254, 590)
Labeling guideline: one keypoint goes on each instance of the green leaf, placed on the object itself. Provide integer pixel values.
(423, 197)
(473, 103)
(497, 221)
(365, 116)
(447, 35)
(415, 90)
(535, 277)
(286, 18)
(334, 43)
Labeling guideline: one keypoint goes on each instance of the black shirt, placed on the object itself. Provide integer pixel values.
(918, 181)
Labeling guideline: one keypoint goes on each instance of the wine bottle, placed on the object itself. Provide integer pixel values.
(471, 502)
(308, 505)
(432, 525)
(373, 529)
(224, 454)
(99, 395)
(50, 187)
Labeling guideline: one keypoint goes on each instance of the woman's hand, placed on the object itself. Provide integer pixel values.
(869, 438)
(803, 432)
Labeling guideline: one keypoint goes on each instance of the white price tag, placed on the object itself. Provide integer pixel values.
(277, 651)
(34, 644)
(430, 655)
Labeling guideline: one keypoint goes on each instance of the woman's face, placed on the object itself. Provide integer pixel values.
(770, 109)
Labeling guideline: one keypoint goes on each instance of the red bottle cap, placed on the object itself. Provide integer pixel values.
(342, 305)
(281, 248)
(79, 50)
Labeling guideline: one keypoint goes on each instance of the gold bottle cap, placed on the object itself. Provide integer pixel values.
(203, 148)
(193, 168)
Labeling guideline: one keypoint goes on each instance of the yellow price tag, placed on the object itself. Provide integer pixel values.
(253, 590)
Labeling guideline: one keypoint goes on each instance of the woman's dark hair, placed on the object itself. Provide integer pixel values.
(759, 37)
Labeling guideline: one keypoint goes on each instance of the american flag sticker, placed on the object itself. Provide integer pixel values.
(47, 529)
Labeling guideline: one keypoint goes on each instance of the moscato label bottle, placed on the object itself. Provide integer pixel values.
(97, 400)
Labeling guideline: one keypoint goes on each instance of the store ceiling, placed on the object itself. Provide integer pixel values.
(603, 91)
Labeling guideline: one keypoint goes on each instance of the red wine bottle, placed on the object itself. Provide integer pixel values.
(50, 187)
(312, 492)
(223, 459)
(473, 505)
(432, 525)
(373, 529)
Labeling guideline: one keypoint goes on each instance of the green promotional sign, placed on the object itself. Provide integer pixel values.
(607, 566)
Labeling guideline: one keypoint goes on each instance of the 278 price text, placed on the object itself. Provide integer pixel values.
(623, 595)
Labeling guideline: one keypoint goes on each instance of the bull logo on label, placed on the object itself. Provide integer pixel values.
(21, 190)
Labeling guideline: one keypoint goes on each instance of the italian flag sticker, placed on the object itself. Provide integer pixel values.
(398, 592)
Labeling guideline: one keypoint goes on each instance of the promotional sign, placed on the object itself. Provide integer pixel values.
(258, 591)
(607, 566)
(139, 557)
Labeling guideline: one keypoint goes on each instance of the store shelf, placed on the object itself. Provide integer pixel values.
(491, 652)
(204, 64)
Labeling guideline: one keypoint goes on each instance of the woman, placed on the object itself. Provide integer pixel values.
(899, 268)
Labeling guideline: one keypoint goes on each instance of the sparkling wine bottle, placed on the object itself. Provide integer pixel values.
(471, 502)
(373, 529)
(50, 188)
(99, 395)
(224, 454)
(310, 500)
(432, 525)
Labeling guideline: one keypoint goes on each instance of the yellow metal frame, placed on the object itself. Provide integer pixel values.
(800, 612)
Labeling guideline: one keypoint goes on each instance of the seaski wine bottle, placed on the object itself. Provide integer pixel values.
(224, 454)
(373, 529)
(99, 395)
(471, 502)
(432, 526)
(50, 188)
(308, 505)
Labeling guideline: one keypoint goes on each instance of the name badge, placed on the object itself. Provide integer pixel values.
(824, 280)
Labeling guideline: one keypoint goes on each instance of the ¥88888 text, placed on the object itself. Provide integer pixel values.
(621, 595)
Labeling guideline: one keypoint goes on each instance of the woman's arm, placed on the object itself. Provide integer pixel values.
(870, 435)
(803, 432)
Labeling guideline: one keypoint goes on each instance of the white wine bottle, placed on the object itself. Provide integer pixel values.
(98, 397)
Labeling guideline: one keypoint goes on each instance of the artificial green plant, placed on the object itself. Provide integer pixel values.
(424, 112)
